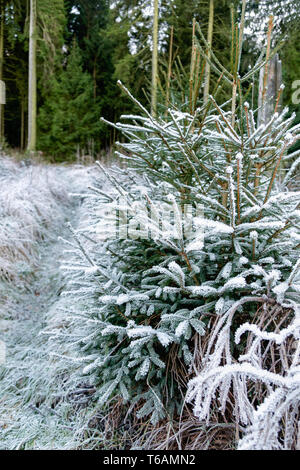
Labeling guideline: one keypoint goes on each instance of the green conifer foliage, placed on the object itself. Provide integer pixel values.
(67, 120)
(155, 311)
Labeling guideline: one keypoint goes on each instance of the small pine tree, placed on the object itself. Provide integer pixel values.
(153, 312)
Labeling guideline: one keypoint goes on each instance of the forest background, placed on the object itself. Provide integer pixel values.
(85, 46)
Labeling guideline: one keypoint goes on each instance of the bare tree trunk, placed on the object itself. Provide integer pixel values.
(264, 76)
(32, 89)
(267, 104)
(209, 41)
(154, 60)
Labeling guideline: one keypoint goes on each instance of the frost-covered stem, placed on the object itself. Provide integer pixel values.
(287, 225)
(193, 167)
(238, 196)
(246, 108)
(154, 60)
(127, 92)
(121, 314)
(228, 156)
(198, 78)
(231, 197)
(257, 178)
(292, 169)
(193, 154)
(114, 182)
(186, 259)
(294, 272)
(233, 107)
(223, 117)
(80, 245)
(228, 317)
(209, 42)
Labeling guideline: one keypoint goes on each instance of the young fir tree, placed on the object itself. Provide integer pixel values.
(67, 121)
(151, 312)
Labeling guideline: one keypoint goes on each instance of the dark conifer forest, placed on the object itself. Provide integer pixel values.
(83, 47)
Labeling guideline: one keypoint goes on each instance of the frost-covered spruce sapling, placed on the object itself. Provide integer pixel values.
(154, 311)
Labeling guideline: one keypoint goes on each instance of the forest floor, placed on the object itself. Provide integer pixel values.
(32, 415)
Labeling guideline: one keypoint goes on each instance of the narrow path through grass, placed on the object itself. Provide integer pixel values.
(32, 412)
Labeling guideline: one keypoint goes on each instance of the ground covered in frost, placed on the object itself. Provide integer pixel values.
(42, 406)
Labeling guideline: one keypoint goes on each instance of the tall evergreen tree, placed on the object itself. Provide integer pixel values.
(67, 121)
(88, 22)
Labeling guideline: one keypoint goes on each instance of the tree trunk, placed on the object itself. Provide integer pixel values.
(22, 124)
(32, 88)
(264, 77)
(209, 41)
(266, 107)
(154, 60)
(1, 68)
